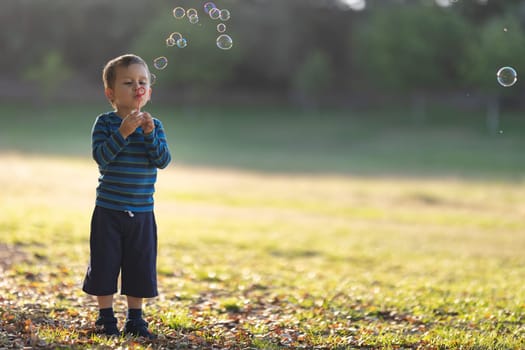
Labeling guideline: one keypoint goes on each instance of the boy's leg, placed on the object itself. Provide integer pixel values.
(139, 256)
(134, 302)
(139, 275)
(105, 253)
(105, 301)
(135, 324)
(106, 318)
(104, 267)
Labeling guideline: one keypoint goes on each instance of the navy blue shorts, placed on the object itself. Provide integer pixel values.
(122, 241)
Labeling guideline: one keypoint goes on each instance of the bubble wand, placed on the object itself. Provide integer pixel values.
(140, 92)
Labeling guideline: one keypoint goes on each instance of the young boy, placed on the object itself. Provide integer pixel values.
(128, 146)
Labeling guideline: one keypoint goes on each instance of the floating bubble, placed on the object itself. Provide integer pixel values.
(182, 43)
(507, 76)
(170, 42)
(224, 15)
(194, 19)
(160, 62)
(214, 13)
(179, 12)
(224, 42)
(221, 27)
(175, 36)
(208, 6)
(153, 79)
(191, 12)
(141, 91)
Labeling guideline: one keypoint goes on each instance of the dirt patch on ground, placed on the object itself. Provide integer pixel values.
(9, 255)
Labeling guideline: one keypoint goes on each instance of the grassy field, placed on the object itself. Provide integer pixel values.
(286, 140)
(365, 249)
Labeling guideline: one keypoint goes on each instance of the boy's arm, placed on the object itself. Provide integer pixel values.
(157, 146)
(105, 145)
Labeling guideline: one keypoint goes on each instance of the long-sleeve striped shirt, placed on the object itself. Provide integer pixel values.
(128, 167)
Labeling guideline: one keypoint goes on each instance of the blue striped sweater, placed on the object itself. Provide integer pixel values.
(128, 167)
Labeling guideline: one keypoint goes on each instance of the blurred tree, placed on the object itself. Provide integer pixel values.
(85, 33)
(49, 74)
(99, 30)
(414, 50)
(500, 42)
(25, 34)
(274, 36)
(199, 66)
(480, 11)
(405, 46)
(279, 36)
(312, 79)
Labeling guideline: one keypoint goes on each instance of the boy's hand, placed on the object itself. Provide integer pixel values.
(131, 123)
(147, 124)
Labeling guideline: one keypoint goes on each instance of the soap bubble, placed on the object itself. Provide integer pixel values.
(191, 12)
(221, 27)
(170, 42)
(208, 6)
(194, 19)
(507, 76)
(224, 42)
(224, 15)
(182, 43)
(153, 79)
(175, 36)
(160, 62)
(214, 13)
(141, 91)
(179, 12)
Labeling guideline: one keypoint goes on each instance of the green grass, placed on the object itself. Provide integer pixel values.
(450, 142)
(412, 256)
(266, 261)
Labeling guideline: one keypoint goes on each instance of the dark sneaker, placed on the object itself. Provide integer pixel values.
(108, 326)
(138, 328)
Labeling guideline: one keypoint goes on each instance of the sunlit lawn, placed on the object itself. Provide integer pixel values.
(279, 228)
(255, 260)
(448, 142)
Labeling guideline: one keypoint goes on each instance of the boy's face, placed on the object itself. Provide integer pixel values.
(125, 94)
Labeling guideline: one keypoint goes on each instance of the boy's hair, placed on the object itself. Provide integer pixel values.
(109, 73)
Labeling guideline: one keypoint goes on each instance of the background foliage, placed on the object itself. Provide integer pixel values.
(403, 47)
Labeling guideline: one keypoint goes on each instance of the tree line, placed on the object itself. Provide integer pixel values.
(305, 48)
